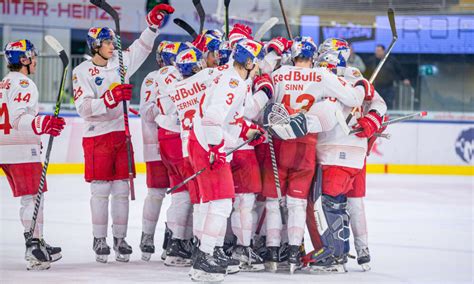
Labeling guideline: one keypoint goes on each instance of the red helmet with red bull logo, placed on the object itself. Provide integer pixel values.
(16, 50)
(248, 49)
(189, 62)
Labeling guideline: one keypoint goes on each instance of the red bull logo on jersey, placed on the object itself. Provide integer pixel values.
(5, 84)
(148, 82)
(233, 83)
(298, 76)
(183, 92)
(24, 83)
(17, 45)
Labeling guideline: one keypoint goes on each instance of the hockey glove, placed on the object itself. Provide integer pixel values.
(264, 83)
(120, 93)
(238, 32)
(368, 89)
(48, 124)
(297, 127)
(156, 16)
(369, 123)
(373, 138)
(216, 156)
(252, 131)
(279, 45)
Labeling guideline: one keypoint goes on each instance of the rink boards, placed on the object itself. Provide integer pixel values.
(415, 147)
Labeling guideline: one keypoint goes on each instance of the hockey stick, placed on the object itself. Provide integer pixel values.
(226, 5)
(288, 29)
(185, 26)
(265, 27)
(395, 120)
(391, 19)
(201, 14)
(128, 138)
(188, 179)
(57, 47)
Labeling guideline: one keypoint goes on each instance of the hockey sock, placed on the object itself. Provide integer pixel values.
(242, 217)
(358, 222)
(296, 219)
(119, 208)
(151, 209)
(177, 214)
(273, 222)
(215, 220)
(26, 214)
(100, 191)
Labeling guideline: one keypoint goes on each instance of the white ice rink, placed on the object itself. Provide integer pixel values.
(420, 231)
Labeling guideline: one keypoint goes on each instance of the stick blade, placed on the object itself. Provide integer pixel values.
(58, 48)
(226, 3)
(341, 120)
(391, 20)
(265, 27)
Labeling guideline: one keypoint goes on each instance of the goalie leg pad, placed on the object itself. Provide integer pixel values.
(333, 228)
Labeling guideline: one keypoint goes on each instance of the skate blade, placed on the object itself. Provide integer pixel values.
(271, 266)
(102, 258)
(163, 255)
(177, 261)
(245, 267)
(366, 267)
(294, 267)
(122, 257)
(232, 269)
(202, 276)
(37, 265)
(146, 256)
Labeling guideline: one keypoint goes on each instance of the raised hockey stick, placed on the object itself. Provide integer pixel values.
(57, 47)
(391, 19)
(111, 11)
(190, 178)
(226, 5)
(185, 26)
(287, 25)
(265, 27)
(395, 120)
(201, 14)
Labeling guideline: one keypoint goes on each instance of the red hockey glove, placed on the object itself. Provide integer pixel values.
(373, 138)
(368, 88)
(279, 45)
(156, 16)
(238, 32)
(216, 156)
(252, 131)
(200, 43)
(48, 124)
(370, 123)
(120, 93)
(264, 83)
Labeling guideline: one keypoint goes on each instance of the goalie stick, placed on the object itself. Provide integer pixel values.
(288, 29)
(111, 11)
(190, 178)
(201, 14)
(185, 26)
(265, 27)
(57, 47)
(391, 19)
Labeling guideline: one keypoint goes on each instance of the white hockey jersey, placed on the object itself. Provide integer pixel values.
(307, 88)
(221, 110)
(18, 108)
(335, 147)
(90, 82)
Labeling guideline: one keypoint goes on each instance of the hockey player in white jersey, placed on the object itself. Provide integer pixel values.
(97, 95)
(157, 176)
(20, 145)
(342, 159)
(210, 137)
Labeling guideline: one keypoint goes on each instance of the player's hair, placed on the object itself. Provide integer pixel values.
(381, 46)
(14, 67)
(302, 59)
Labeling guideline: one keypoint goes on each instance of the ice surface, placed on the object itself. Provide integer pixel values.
(420, 231)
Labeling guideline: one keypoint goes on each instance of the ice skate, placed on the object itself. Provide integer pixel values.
(294, 255)
(249, 260)
(54, 252)
(178, 253)
(102, 250)
(206, 269)
(166, 241)
(328, 265)
(37, 255)
(259, 246)
(221, 257)
(122, 250)
(147, 246)
(363, 258)
(272, 260)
